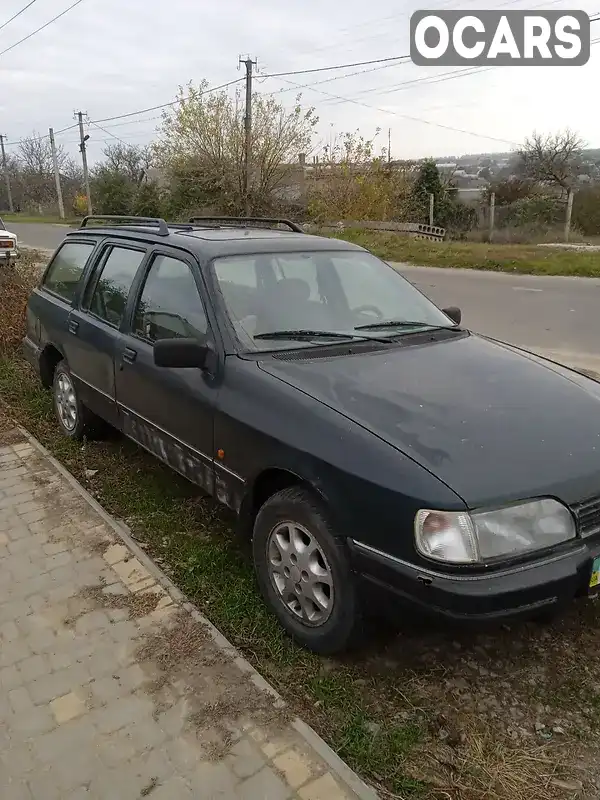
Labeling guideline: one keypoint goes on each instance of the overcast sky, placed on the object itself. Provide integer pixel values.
(110, 57)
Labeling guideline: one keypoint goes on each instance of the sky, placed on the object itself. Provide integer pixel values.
(112, 57)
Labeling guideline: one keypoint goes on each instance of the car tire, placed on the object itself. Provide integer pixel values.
(304, 573)
(75, 420)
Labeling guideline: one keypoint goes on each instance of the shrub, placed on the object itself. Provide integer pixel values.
(16, 283)
(148, 201)
(112, 193)
(80, 207)
(586, 211)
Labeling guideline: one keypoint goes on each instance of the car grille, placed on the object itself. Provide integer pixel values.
(7, 243)
(587, 514)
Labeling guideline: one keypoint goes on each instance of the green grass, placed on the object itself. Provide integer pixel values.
(193, 541)
(513, 258)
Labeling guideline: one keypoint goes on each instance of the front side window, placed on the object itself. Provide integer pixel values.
(341, 293)
(170, 306)
(66, 268)
(110, 292)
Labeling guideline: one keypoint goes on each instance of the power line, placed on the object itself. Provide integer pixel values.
(405, 116)
(426, 79)
(130, 114)
(112, 135)
(41, 138)
(444, 76)
(134, 122)
(337, 66)
(337, 77)
(18, 14)
(166, 105)
(25, 38)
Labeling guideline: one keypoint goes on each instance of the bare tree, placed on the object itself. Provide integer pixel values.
(552, 159)
(131, 161)
(36, 169)
(35, 155)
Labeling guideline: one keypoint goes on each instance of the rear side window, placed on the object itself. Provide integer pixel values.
(66, 268)
(113, 283)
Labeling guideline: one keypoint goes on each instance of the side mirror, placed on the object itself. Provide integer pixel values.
(181, 353)
(454, 313)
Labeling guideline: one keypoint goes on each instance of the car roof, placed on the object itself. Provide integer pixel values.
(210, 242)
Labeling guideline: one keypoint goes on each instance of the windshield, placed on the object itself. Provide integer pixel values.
(2, 226)
(269, 296)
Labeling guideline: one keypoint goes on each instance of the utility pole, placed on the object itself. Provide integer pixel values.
(6, 175)
(61, 207)
(82, 149)
(389, 146)
(570, 196)
(249, 63)
(492, 215)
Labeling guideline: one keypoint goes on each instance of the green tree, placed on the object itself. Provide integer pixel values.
(428, 182)
(203, 135)
(148, 201)
(112, 192)
(586, 211)
(352, 183)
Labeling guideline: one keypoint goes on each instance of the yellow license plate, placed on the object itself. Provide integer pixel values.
(595, 576)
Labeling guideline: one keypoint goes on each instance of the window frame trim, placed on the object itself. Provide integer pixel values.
(42, 286)
(91, 284)
(196, 273)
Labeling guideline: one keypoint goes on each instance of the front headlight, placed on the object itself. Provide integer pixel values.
(462, 537)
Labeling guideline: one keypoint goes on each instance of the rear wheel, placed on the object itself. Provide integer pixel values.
(76, 421)
(303, 572)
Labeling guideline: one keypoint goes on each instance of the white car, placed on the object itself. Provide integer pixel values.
(9, 250)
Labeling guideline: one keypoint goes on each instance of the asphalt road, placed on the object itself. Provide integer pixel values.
(41, 235)
(556, 316)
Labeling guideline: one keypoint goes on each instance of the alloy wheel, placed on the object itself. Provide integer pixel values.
(300, 573)
(66, 401)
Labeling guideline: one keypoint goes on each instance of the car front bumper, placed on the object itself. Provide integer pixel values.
(521, 590)
(8, 255)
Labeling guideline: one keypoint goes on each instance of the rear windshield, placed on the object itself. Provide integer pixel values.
(66, 268)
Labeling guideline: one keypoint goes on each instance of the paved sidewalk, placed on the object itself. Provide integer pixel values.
(113, 688)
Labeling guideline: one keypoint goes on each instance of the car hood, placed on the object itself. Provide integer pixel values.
(7, 235)
(494, 423)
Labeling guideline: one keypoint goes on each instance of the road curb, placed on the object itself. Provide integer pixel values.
(337, 766)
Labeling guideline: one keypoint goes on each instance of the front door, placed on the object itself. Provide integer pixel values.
(93, 329)
(168, 411)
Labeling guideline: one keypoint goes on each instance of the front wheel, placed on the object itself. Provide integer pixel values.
(303, 572)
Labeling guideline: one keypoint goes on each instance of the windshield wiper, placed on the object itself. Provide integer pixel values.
(302, 334)
(402, 323)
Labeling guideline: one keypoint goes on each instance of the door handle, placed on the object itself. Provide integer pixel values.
(129, 355)
(73, 326)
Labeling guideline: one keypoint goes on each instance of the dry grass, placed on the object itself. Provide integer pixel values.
(16, 283)
(485, 767)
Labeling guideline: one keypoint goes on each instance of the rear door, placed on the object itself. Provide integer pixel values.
(168, 411)
(50, 304)
(93, 327)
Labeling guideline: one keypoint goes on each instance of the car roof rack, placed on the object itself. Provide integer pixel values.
(116, 219)
(250, 222)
